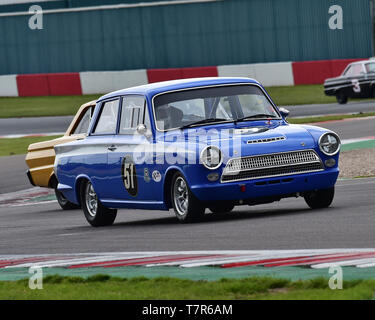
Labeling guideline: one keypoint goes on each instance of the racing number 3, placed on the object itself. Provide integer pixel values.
(129, 176)
(356, 86)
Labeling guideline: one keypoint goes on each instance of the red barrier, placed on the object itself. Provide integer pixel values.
(63, 84)
(311, 72)
(49, 84)
(338, 66)
(32, 85)
(315, 72)
(199, 72)
(155, 75)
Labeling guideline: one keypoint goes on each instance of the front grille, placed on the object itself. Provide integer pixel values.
(271, 165)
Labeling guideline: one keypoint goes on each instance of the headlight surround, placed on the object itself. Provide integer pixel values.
(211, 157)
(329, 143)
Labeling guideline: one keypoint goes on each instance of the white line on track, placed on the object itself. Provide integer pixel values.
(31, 135)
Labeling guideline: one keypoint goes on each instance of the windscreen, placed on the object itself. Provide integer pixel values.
(222, 103)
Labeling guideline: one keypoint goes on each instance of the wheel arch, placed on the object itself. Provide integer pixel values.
(371, 88)
(52, 181)
(78, 184)
(170, 172)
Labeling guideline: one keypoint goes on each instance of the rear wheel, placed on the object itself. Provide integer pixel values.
(186, 206)
(320, 198)
(373, 91)
(223, 208)
(62, 201)
(341, 97)
(96, 214)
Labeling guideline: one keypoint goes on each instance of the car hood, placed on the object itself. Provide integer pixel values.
(273, 140)
(251, 139)
(335, 79)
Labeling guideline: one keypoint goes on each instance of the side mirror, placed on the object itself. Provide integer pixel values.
(142, 129)
(284, 112)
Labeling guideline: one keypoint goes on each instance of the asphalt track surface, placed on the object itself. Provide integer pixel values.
(34, 125)
(289, 224)
(13, 174)
(331, 108)
(60, 124)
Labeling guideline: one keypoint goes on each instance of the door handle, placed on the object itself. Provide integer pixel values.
(112, 148)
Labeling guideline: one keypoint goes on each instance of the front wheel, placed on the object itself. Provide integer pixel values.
(186, 206)
(320, 199)
(341, 98)
(96, 214)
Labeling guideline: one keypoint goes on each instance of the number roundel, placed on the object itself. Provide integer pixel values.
(129, 176)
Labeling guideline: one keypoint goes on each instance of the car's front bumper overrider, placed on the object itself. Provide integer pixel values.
(275, 187)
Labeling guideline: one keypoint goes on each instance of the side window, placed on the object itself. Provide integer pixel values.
(133, 113)
(83, 125)
(370, 67)
(108, 118)
(349, 71)
(357, 69)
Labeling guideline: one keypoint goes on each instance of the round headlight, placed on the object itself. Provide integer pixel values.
(211, 157)
(329, 143)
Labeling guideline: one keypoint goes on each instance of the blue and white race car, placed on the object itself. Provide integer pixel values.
(194, 144)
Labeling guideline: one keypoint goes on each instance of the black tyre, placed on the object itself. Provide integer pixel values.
(96, 214)
(186, 206)
(62, 201)
(320, 198)
(222, 208)
(341, 97)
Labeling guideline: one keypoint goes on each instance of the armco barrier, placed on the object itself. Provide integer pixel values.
(155, 75)
(107, 81)
(239, 70)
(269, 74)
(32, 85)
(274, 74)
(311, 72)
(8, 86)
(51, 84)
(62, 84)
(96, 82)
(315, 72)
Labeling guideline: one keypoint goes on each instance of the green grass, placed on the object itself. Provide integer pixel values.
(13, 146)
(301, 94)
(42, 106)
(106, 287)
(68, 105)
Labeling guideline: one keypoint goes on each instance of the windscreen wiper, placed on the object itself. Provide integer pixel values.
(209, 120)
(255, 116)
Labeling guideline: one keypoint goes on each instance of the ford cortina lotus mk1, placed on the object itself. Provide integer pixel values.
(194, 144)
(40, 156)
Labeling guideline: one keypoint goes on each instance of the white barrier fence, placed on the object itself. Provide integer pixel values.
(8, 86)
(268, 74)
(93, 82)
